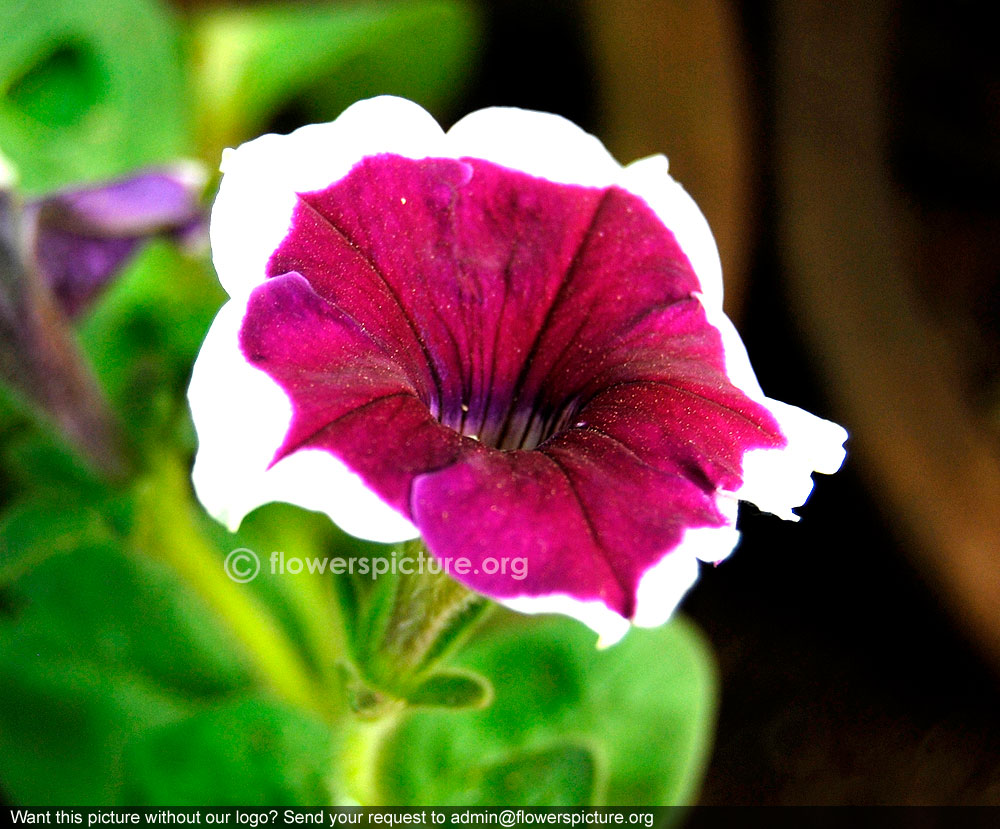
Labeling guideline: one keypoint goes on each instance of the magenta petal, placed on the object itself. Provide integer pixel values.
(346, 387)
(456, 261)
(570, 510)
(719, 425)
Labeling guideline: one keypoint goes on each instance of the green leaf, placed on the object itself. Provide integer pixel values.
(252, 63)
(96, 648)
(634, 720)
(88, 90)
(143, 335)
(36, 528)
(452, 689)
(249, 753)
(63, 726)
(560, 777)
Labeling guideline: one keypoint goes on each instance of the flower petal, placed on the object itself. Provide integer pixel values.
(349, 396)
(500, 338)
(242, 418)
(650, 179)
(588, 515)
(140, 205)
(253, 210)
(537, 143)
(78, 267)
(449, 260)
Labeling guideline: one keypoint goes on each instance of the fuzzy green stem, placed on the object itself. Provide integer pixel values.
(429, 614)
(357, 761)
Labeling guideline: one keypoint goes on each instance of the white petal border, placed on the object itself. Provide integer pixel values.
(779, 480)
(261, 178)
(252, 215)
(776, 480)
(537, 143)
(242, 416)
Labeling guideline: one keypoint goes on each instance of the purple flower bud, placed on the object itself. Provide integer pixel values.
(81, 239)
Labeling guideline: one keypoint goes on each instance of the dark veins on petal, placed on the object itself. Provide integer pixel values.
(518, 366)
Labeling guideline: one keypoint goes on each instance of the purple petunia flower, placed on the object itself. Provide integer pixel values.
(496, 338)
(81, 239)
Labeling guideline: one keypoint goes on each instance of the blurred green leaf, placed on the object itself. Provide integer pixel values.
(560, 777)
(53, 503)
(38, 463)
(452, 689)
(303, 602)
(634, 720)
(36, 459)
(125, 613)
(144, 333)
(39, 527)
(89, 89)
(63, 726)
(250, 753)
(253, 63)
(97, 647)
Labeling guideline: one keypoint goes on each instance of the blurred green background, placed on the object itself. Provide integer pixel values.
(846, 159)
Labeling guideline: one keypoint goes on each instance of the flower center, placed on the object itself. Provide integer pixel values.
(524, 427)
